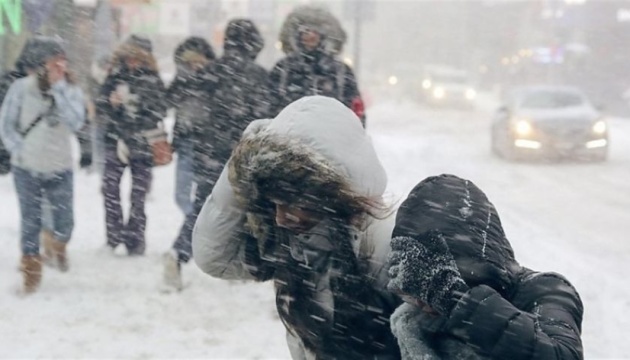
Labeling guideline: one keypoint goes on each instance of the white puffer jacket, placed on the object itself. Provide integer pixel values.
(329, 129)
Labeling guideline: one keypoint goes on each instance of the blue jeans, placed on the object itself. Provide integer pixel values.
(31, 189)
(184, 177)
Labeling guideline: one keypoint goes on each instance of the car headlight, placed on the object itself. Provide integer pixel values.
(426, 84)
(439, 93)
(523, 127)
(471, 94)
(600, 127)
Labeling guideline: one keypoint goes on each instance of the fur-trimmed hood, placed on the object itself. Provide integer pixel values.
(319, 129)
(131, 50)
(313, 148)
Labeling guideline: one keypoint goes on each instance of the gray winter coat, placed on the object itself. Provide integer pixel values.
(331, 135)
(47, 147)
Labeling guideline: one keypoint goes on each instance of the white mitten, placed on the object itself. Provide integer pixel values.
(122, 151)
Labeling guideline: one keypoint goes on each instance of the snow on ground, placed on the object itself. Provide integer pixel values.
(569, 217)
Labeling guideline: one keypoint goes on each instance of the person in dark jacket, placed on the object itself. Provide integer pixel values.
(237, 86)
(132, 100)
(191, 100)
(466, 295)
(312, 69)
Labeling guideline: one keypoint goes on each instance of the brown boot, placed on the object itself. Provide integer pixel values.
(46, 237)
(55, 251)
(31, 268)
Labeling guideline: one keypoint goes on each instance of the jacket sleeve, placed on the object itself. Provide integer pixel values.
(549, 328)
(218, 244)
(173, 94)
(260, 95)
(70, 104)
(155, 104)
(104, 108)
(351, 94)
(9, 117)
(276, 89)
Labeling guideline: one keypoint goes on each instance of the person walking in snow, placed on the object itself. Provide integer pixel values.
(98, 73)
(311, 67)
(131, 98)
(300, 203)
(466, 295)
(38, 117)
(189, 96)
(236, 86)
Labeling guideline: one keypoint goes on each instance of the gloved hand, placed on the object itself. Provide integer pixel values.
(122, 151)
(423, 267)
(86, 161)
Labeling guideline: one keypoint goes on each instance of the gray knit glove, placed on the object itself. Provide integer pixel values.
(423, 267)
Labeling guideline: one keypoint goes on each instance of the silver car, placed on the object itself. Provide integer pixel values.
(549, 122)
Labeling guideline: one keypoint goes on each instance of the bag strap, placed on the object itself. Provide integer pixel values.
(38, 119)
(32, 125)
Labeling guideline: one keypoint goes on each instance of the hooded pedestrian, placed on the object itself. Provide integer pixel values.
(300, 203)
(238, 92)
(132, 99)
(466, 295)
(311, 67)
(190, 98)
(38, 118)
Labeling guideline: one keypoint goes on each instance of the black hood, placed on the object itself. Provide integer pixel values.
(242, 36)
(471, 226)
(196, 44)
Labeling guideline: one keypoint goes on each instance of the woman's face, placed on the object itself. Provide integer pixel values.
(310, 39)
(295, 218)
(133, 63)
(57, 63)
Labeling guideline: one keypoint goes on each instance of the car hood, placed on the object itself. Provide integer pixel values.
(573, 114)
(452, 87)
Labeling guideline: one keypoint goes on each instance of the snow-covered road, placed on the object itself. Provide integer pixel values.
(572, 218)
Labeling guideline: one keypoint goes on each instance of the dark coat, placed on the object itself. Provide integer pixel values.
(239, 96)
(304, 73)
(510, 312)
(189, 93)
(145, 112)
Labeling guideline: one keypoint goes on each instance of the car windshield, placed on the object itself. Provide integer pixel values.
(551, 100)
(450, 78)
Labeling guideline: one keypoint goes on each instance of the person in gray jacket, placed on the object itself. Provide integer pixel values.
(38, 118)
(300, 203)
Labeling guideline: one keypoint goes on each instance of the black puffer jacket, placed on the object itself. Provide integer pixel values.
(510, 312)
(313, 72)
(239, 95)
(145, 110)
